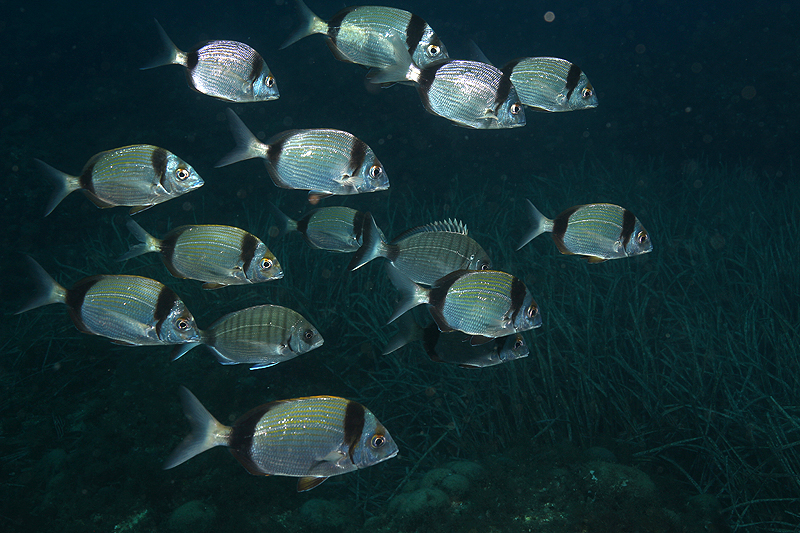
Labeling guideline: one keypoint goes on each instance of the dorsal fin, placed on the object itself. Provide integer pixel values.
(450, 225)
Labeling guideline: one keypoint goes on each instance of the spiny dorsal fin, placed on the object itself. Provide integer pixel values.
(450, 225)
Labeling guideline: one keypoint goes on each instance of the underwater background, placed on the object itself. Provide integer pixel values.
(660, 393)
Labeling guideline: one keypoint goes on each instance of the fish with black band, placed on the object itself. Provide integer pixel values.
(129, 310)
(596, 231)
(484, 304)
(311, 438)
(426, 253)
(336, 228)
(471, 94)
(323, 161)
(261, 336)
(551, 84)
(454, 347)
(217, 255)
(138, 176)
(228, 70)
(368, 35)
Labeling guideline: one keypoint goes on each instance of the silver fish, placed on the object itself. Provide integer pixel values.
(468, 93)
(312, 438)
(551, 84)
(426, 253)
(368, 35)
(263, 336)
(218, 255)
(454, 347)
(484, 304)
(129, 310)
(140, 175)
(336, 229)
(322, 161)
(596, 231)
(227, 70)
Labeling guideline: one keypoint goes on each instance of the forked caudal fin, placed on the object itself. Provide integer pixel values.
(411, 294)
(50, 292)
(372, 246)
(311, 24)
(64, 183)
(206, 431)
(247, 145)
(538, 222)
(170, 54)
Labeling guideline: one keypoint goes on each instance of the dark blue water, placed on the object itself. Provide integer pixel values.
(679, 366)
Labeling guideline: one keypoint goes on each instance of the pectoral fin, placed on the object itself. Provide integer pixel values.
(308, 483)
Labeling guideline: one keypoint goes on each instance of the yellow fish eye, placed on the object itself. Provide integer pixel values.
(378, 440)
(641, 237)
(266, 263)
(182, 174)
(269, 81)
(532, 310)
(375, 171)
(588, 92)
(182, 323)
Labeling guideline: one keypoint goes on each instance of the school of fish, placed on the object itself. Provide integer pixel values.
(475, 315)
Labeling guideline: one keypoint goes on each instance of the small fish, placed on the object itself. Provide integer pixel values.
(312, 438)
(263, 336)
(454, 347)
(596, 231)
(228, 70)
(322, 161)
(426, 253)
(551, 84)
(336, 229)
(368, 35)
(471, 94)
(140, 175)
(484, 304)
(218, 255)
(129, 310)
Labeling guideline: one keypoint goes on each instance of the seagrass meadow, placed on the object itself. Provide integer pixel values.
(660, 394)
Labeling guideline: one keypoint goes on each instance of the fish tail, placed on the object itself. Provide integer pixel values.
(65, 184)
(372, 246)
(538, 225)
(182, 349)
(247, 145)
(50, 292)
(284, 223)
(411, 294)
(402, 69)
(206, 431)
(148, 242)
(409, 331)
(311, 24)
(170, 54)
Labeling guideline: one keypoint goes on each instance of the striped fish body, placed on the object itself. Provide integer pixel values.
(426, 253)
(596, 231)
(481, 303)
(470, 94)
(261, 336)
(336, 229)
(140, 175)
(323, 161)
(312, 438)
(217, 255)
(551, 84)
(370, 35)
(227, 70)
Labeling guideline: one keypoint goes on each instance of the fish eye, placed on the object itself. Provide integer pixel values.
(378, 441)
(588, 92)
(182, 324)
(532, 310)
(642, 237)
(484, 266)
(266, 263)
(434, 50)
(515, 108)
(269, 81)
(375, 171)
(308, 334)
(518, 343)
(182, 174)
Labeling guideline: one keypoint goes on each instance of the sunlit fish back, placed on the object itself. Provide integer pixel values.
(140, 176)
(128, 310)
(227, 70)
(551, 84)
(311, 438)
